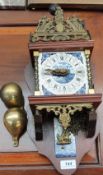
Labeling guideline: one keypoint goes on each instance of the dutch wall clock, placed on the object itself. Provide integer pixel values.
(64, 100)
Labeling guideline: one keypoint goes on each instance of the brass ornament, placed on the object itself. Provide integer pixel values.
(65, 114)
(59, 29)
(91, 86)
(15, 121)
(15, 118)
(11, 95)
(64, 138)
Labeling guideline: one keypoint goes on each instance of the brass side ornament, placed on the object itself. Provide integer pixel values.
(59, 29)
(15, 118)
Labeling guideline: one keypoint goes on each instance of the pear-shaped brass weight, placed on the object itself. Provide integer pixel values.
(15, 120)
(11, 95)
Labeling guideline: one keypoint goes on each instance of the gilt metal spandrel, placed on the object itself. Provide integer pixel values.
(64, 114)
(60, 29)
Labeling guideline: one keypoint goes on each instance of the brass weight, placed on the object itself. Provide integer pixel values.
(15, 121)
(15, 118)
(11, 95)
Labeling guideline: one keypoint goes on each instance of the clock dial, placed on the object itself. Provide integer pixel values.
(62, 73)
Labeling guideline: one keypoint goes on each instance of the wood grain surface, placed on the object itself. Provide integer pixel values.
(68, 2)
(14, 56)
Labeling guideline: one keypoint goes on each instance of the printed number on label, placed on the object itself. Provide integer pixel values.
(68, 164)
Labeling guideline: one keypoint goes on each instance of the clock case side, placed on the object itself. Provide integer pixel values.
(57, 46)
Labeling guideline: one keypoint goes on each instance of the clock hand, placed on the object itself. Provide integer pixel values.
(57, 72)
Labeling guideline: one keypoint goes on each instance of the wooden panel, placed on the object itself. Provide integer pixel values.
(20, 18)
(15, 56)
(16, 30)
(33, 158)
(25, 18)
(69, 2)
(30, 158)
(62, 46)
(49, 171)
(67, 99)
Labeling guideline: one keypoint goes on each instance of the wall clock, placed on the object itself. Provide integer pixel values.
(60, 52)
(62, 70)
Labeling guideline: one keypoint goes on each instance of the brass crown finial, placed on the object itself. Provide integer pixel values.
(59, 29)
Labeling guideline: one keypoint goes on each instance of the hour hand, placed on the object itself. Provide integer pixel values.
(57, 72)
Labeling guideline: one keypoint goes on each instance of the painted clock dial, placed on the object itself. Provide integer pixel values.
(62, 73)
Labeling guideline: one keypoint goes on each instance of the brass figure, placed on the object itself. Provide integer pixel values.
(59, 29)
(15, 119)
(64, 138)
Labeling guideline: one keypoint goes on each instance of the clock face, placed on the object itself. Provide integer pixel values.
(62, 73)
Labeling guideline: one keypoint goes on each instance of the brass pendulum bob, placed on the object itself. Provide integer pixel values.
(15, 118)
(15, 121)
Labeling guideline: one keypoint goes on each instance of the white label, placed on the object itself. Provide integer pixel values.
(67, 164)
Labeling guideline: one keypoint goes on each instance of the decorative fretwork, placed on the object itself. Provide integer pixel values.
(60, 29)
(65, 114)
